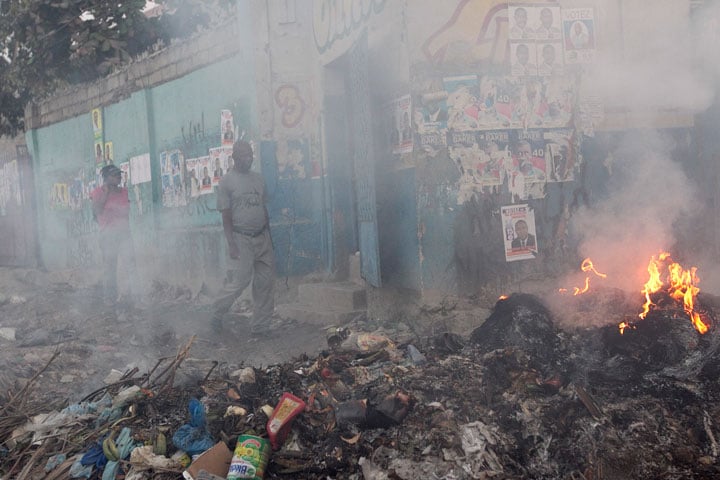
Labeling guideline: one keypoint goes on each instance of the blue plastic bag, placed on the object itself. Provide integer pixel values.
(193, 437)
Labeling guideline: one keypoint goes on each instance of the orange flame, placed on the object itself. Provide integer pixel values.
(681, 286)
(586, 266)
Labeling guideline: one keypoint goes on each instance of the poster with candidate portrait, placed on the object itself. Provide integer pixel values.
(559, 155)
(546, 22)
(578, 35)
(218, 162)
(203, 167)
(519, 18)
(527, 177)
(519, 234)
(402, 135)
(523, 56)
(227, 128)
(172, 166)
(192, 180)
(431, 116)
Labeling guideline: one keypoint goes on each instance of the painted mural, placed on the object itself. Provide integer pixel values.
(338, 23)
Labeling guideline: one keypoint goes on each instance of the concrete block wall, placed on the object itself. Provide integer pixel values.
(170, 63)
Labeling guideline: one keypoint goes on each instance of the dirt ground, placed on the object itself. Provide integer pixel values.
(42, 313)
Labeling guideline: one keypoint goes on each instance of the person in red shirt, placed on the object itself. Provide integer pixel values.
(111, 208)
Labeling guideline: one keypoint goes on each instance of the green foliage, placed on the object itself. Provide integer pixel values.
(46, 44)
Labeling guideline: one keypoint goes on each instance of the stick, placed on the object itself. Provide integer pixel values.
(30, 382)
(589, 402)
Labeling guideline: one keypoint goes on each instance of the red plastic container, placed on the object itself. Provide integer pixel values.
(279, 424)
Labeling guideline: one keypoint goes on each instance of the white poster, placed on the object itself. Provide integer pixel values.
(579, 35)
(519, 235)
(140, 171)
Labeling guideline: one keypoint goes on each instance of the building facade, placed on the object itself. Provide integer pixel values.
(416, 133)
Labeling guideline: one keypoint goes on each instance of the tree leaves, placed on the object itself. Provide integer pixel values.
(45, 44)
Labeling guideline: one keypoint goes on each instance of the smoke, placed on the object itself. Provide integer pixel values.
(648, 193)
(662, 62)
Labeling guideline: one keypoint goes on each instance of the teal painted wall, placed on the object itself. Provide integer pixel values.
(181, 114)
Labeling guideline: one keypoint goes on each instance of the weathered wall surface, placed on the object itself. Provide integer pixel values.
(17, 222)
(169, 101)
(448, 113)
(473, 106)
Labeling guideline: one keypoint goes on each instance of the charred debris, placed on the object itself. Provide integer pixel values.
(521, 398)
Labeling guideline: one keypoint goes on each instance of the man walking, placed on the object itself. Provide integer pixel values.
(241, 201)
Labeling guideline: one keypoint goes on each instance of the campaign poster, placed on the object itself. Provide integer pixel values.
(193, 181)
(523, 56)
(462, 102)
(547, 24)
(203, 168)
(491, 101)
(401, 137)
(519, 234)
(559, 100)
(109, 155)
(227, 128)
(505, 93)
(559, 155)
(172, 178)
(464, 150)
(431, 142)
(97, 124)
(217, 160)
(99, 154)
(140, 169)
(495, 158)
(519, 17)
(528, 175)
(578, 35)
(432, 115)
(550, 59)
(124, 174)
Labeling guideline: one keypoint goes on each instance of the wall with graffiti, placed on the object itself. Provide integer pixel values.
(492, 109)
(172, 143)
(493, 121)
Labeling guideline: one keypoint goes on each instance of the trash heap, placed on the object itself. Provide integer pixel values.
(519, 398)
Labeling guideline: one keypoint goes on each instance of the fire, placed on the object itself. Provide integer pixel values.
(679, 283)
(586, 266)
(664, 275)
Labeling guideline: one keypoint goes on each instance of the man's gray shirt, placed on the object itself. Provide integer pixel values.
(244, 195)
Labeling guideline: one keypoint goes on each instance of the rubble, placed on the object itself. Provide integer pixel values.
(521, 397)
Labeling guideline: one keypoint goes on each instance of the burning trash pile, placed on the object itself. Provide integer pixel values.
(522, 397)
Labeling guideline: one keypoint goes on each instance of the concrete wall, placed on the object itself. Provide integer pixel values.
(17, 213)
(169, 100)
(282, 69)
(458, 224)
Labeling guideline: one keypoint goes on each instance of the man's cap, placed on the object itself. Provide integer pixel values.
(109, 170)
(241, 147)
